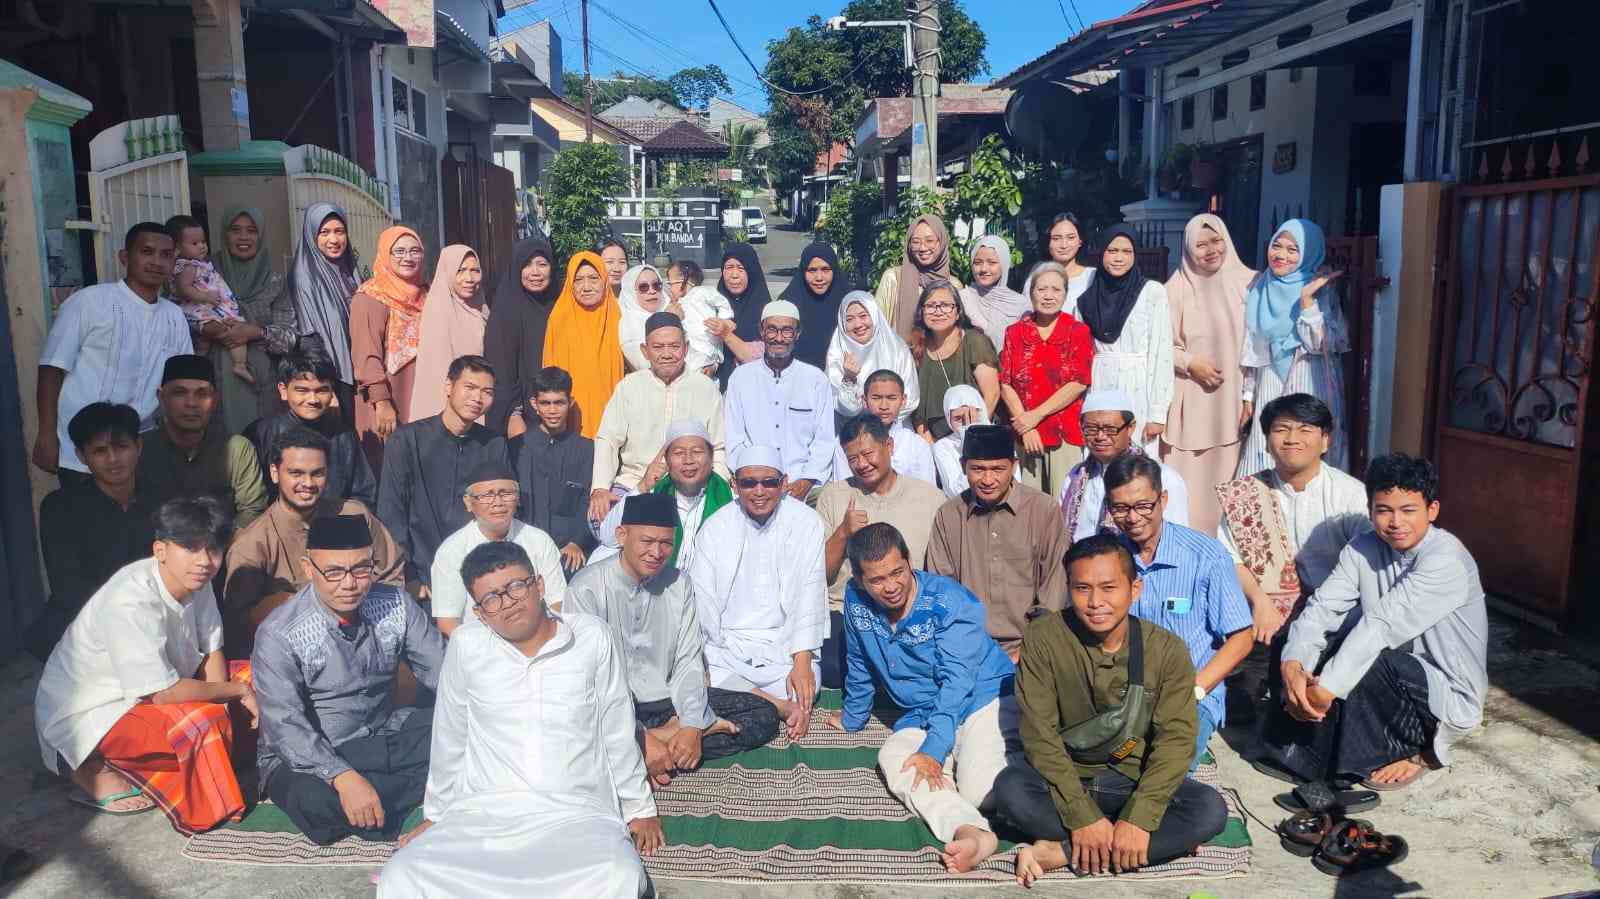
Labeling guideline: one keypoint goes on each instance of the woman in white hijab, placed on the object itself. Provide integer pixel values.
(862, 344)
(963, 408)
(990, 303)
(639, 301)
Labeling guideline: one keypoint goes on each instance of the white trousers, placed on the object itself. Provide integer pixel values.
(976, 760)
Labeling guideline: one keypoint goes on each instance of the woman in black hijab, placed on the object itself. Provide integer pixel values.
(745, 285)
(513, 340)
(817, 288)
(1132, 326)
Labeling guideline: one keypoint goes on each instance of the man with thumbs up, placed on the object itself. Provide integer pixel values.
(874, 492)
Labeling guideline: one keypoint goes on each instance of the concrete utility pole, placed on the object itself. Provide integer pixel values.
(925, 94)
(588, 83)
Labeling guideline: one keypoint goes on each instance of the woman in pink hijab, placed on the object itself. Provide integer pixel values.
(1207, 416)
(453, 320)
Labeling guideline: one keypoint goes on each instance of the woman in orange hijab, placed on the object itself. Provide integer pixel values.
(582, 338)
(385, 324)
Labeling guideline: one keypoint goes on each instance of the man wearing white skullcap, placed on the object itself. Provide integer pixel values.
(684, 469)
(781, 402)
(1108, 422)
(760, 588)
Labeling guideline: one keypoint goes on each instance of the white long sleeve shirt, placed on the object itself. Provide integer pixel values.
(1320, 520)
(791, 410)
(761, 591)
(634, 426)
(1428, 601)
(1140, 361)
(448, 595)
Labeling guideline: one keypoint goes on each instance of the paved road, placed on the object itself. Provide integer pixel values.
(781, 253)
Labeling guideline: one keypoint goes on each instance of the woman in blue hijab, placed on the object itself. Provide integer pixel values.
(1295, 335)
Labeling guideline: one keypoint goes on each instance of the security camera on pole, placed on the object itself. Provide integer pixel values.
(922, 58)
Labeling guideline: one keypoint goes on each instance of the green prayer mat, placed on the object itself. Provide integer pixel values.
(812, 811)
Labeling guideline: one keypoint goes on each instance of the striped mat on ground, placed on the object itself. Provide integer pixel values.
(811, 811)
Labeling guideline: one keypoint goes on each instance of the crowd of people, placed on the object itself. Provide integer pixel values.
(522, 562)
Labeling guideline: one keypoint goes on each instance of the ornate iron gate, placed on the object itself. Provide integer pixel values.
(1513, 385)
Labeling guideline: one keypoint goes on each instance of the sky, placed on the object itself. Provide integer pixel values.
(659, 37)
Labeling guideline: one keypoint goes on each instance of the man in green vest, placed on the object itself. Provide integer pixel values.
(190, 453)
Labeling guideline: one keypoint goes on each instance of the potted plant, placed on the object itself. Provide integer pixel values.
(1173, 174)
(1205, 169)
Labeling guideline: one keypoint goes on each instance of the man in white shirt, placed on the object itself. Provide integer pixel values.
(1286, 525)
(131, 704)
(884, 396)
(761, 591)
(784, 403)
(698, 491)
(634, 424)
(536, 786)
(108, 343)
(1108, 421)
(491, 499)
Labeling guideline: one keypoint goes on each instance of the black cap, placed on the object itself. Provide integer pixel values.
(657, 510)
(988, 442)
(188, 367)
(661, 320)
(490, 470)
(339, 532)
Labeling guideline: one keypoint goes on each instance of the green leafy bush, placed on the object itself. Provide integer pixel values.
(577, 184)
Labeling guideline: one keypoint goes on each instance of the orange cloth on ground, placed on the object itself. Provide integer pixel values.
(179, 754)
(404, 299)
(584, 342)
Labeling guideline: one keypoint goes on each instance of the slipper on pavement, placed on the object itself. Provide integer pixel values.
(1276, 773)
(1315, 797)
(1400, 784)
(101, 805)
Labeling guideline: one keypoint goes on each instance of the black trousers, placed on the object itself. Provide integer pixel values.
(832, 661)
(1384, 719)
(1196, 813)
(756, 718)
(395, 764)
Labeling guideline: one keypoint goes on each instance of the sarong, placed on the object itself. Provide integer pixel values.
(179, 755)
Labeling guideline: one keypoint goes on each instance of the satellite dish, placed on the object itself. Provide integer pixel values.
(1047, 120)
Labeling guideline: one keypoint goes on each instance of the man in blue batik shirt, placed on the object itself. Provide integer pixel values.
(1190, 586)
(923, 640)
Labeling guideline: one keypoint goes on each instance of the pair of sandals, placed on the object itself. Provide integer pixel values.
(1338, 848)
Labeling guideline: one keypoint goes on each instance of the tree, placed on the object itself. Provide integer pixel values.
(741, 140)
(791, 155)
(851, 67)
(616, 88)
(695, 87)
(577, 184)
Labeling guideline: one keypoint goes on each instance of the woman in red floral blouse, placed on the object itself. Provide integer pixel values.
(1045, 369)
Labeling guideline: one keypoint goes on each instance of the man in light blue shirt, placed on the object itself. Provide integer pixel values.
(1190, 587)
(923, 640)
(782, 402)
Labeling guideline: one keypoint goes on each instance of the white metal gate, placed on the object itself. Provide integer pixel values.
(139, 172)
(317, 175)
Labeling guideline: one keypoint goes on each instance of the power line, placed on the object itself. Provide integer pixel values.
(637, 31)
(865, 58)
(1068, 19)
(1082, 26)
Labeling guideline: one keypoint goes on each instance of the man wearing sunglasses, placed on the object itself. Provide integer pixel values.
(1190, 587)
(783, 403)
(336, 754)
(1108, 435)
(491, 499)
(537, 785)
(761, 592)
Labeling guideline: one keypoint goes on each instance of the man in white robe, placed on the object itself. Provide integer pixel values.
(1108, 417)
(761, 590)
(783, 403)
(536, 785)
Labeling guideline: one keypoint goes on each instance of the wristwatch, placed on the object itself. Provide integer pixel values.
(1199, 692)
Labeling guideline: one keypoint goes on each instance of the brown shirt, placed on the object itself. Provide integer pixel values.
(1064, 679)
(264, 562)
(1010, 556)
(910, 506)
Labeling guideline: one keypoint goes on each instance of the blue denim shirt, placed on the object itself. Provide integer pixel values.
(939, 664)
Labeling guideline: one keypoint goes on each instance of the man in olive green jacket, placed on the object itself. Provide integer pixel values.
(1138, 808)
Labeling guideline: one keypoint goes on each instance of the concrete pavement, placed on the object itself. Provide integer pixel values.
(1517, 815)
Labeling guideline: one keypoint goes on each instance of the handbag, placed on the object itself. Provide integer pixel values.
(1113, 734)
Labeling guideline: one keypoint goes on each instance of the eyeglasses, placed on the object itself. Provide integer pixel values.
(649, 286)
(360, 571)
(785, 331)
(497, 601)
(1104, 430)
(753, 483)
(1144, 510)
(413, 253)
(939, 308)
(490, 496)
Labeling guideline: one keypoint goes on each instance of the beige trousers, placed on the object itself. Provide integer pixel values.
(979, 755)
